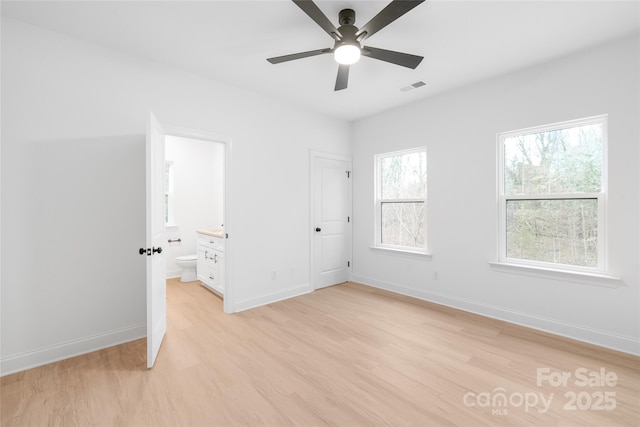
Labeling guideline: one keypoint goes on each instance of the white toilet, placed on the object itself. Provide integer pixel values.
(188, 265)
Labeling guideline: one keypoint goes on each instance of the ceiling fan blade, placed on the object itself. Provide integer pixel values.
(398, 58)
(285, 58)
(343, 77)
(314, 12)
(393, 11)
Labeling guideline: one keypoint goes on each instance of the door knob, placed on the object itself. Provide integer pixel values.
(318, 229)
(158, 250)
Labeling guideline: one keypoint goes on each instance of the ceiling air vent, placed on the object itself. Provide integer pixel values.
(412, 86)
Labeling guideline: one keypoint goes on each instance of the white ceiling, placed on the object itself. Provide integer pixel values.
(229, 41)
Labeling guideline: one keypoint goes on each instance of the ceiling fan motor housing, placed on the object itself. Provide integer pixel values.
(348, 36)
(347, 18)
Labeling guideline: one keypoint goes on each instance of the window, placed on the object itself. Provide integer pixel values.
(552, 195)
(168, 194)
(401, 196)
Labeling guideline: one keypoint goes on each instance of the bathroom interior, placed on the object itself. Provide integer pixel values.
(194, 211)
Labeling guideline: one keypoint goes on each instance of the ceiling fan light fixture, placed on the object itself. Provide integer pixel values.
(347, 54)
(348, 38)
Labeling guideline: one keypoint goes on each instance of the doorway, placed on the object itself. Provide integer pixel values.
(193, 196)
(156, 218)
(199, 162)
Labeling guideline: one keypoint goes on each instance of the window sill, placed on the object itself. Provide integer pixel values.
(402, 252)
(566, 275)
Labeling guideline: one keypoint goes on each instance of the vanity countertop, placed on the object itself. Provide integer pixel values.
(215, 232)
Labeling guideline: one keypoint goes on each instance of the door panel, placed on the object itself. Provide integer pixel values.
(333, 191)
(156, 274)
(332, 208)
(332, 252)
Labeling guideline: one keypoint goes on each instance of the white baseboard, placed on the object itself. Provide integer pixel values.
(44, 356)
(271, 298)
(174, 273)
(592, 336)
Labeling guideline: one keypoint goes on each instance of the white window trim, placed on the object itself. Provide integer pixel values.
(377, 222)
(595, 279)
(170, 194)
(402, 251)
(599, 275)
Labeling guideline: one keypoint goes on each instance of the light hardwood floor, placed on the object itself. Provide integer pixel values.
(347, 355)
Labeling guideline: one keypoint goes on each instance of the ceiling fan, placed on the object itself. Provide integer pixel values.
(348, 38)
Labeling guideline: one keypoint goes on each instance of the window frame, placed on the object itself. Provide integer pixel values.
(379, 201)
(602, 247)
(169, 194)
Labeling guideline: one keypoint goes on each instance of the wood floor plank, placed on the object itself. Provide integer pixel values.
(347, 355)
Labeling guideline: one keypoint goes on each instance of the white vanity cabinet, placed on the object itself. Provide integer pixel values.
(210, 266)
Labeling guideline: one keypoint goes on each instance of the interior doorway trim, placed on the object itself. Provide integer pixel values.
(229, 289)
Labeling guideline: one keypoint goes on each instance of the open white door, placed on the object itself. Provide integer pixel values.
(331, 216)
(156, 274)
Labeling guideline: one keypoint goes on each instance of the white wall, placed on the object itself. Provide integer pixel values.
(73, 206)
(198, 175)
(73, 113)
(459, 130)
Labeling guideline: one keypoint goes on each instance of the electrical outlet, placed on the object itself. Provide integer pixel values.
(292, 271)
(274, 276)
(436, 276)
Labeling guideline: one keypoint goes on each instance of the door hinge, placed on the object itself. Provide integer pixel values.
(348, 263)
(348, 174)
(348, 219)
